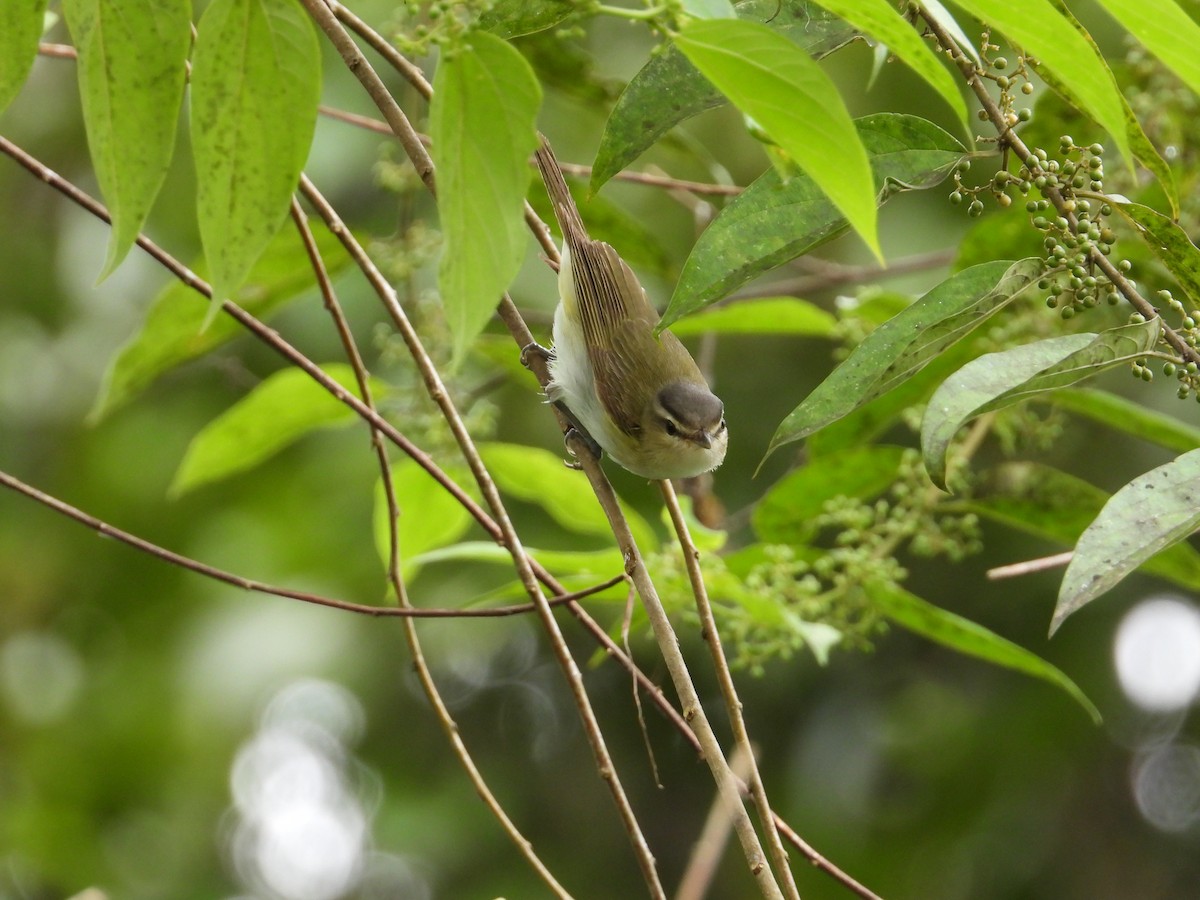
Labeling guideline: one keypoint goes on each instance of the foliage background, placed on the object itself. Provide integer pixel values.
(128, 688)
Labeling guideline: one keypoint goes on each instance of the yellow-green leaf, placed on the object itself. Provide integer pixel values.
(953, 631)
(20, 27)
(256, 81)
(1041, 31)
(430, 518)
(132, 68)
(539, 476)
(882, 21)
(1166, 31)
(283, 408)
(785, 92)
(172, 334)
(485, 101)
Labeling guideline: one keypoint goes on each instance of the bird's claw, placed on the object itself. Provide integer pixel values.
(587, 440)
(532, 349)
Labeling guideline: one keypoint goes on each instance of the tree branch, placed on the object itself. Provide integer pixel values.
(395, 117)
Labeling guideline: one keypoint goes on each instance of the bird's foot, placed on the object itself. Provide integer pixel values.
(534, 349)
(588, 441)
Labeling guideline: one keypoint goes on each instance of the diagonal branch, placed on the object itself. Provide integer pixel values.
(396, 118)
(421, 666)
(733, 706)
(1009, 138)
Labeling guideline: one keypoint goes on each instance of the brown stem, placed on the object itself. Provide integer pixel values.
(733, 705)
(421, 666)
(1009, 138)
(249, 584)
(407, 135)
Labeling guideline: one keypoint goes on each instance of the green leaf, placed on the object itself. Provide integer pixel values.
(539, 476)
(669, 90)
(1054, 506)
(785, 92)
(1170, 244)
(1154, 511)
(1001, 379)
(132, 68)
(883, 21)
(485, 100)
(430, 518)
(279, 411)
(1132, 418)
(875, 417)
(1143, 149)
(768, 315)
(786, 514)
(900, 347)
(172, 335)
(1166, 31)
(256, 81)
(971, 639)
(774, 221)
(513, 18)
(1042, 31)
(21, 23)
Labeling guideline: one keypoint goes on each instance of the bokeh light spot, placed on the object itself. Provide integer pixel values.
(1157, 654)
(1166, 786)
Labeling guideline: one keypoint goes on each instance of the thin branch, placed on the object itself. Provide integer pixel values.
(1030, 566)
(689, 699)
(104, 529)
(396, 118)
(381, 45)
(1009, 138)
(733, 705)
(421, 666)
(825, 274)
(662, 181)
(57, 51)
(710, 846)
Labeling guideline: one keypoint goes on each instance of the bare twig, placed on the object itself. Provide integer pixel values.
(710, 846)
(249, 584)
(421, 666)
(733, 706)
(1010, 139)
(689, 699)
(822, 274)
(407, 135)
(57, 51)
(661, 181)
(1030, 566)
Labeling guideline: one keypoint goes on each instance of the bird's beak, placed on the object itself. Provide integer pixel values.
(703, 439)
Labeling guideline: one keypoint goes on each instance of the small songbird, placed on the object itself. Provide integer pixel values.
(639, 396)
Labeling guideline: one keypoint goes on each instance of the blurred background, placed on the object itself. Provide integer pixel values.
(162, 735)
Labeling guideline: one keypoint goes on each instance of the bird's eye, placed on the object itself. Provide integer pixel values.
(670, 428)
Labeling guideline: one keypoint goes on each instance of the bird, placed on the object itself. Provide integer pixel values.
(638, 396)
